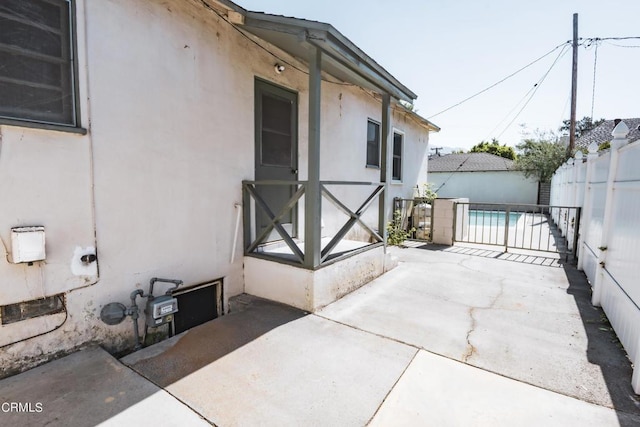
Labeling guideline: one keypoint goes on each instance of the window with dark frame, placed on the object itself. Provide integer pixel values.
(396, 173)
(373, 144)
(37, 82)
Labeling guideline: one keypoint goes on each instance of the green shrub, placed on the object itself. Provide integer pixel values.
(396, 233)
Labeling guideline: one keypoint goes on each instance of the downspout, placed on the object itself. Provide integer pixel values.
(238, 208)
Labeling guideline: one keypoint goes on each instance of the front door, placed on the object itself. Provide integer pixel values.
(276, 125)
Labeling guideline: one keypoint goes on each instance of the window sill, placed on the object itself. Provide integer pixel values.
(395, 182)
(372, 167)
(43, 126)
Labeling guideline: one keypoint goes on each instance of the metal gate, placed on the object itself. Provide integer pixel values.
(414, 217)
(530, 227)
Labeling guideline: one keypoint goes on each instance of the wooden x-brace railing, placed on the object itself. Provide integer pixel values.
(274, 220)
(354, 217)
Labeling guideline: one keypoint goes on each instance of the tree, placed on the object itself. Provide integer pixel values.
(540, 157)
(582, 126)
(494, 147)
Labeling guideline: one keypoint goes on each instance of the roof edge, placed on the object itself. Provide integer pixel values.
(421, 120)
(327, 38)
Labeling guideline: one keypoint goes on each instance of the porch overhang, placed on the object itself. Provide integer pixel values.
(341, 58)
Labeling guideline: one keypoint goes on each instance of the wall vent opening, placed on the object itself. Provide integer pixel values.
(29, 309)
(197, 304)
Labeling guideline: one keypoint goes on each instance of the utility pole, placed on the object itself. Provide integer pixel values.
(574, 86)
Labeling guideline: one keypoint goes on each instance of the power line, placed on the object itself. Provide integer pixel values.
(278, 57)
(536, 87)
(452, 173)
(509, 113)
(622, 45)
(611, 38)
(500, 81)
(588, 42)
(584, 42)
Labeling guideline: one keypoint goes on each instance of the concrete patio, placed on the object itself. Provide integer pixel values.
(450, 337)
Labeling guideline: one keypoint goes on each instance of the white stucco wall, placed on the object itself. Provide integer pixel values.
(311, 290)
(487, 187)
(343, 153)
(167, 95)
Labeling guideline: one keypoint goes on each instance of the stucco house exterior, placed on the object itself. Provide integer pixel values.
(482, 178)
(188, 140)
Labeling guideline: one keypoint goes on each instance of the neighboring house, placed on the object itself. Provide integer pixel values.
(602, 133)
(481, 177)
(136, 134)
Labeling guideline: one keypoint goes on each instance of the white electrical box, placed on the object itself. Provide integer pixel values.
(27, 244)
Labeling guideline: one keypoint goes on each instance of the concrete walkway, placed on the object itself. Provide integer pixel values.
(445, 339)
(89, 388)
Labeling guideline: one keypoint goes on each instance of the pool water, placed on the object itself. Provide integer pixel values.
(493, 218)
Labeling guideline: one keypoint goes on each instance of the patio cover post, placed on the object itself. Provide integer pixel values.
(313, 195)
(384, 156)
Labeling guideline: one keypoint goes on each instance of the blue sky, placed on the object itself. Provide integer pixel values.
(446, 50)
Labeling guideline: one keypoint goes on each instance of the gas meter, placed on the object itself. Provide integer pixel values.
(160, 310)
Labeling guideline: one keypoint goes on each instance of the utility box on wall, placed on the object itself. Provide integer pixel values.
(27, 244)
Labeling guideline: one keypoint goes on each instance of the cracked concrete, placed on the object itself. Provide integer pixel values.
(470, 348)
(523, 321)
(521, 346)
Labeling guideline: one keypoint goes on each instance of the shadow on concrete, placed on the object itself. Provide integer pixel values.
(523, 257)
(90, 386)
(186, 353)
(604, 349)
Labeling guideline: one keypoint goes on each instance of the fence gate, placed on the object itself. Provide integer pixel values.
(413, 216)
(530, 227)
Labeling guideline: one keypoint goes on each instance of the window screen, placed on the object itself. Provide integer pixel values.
(276, 131)
(373, 144)
(396, 173)
(36, 66)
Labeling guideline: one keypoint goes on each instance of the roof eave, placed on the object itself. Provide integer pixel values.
(296, 37)
(421, 120)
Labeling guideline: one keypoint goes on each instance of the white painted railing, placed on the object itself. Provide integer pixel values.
(607, 187)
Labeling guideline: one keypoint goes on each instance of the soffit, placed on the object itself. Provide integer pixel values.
(341, 58)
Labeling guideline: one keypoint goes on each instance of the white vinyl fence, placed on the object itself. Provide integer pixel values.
(607, 187)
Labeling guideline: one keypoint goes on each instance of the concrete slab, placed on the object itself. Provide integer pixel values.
(441, 392)
(179, 356)
(89, 388)
(308, 371)
(529, 331)
(533, 323)
(407, 305)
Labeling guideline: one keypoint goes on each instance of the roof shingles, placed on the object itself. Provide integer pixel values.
(470, 162)
(602, 133)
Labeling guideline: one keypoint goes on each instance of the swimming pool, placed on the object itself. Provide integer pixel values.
(492, 218)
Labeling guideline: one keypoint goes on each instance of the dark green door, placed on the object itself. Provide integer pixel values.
(276, 125)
